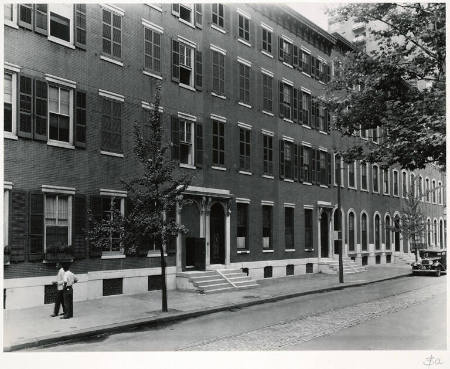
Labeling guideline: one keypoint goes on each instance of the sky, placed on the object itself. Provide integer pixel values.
(313, 11)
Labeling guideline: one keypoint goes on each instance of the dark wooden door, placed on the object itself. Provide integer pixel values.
(324, 235)
(217, 235)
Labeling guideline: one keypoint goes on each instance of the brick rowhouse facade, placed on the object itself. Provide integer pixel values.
(239, 88)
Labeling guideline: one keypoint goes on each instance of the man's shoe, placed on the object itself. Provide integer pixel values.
(53, 315)
(65, 317)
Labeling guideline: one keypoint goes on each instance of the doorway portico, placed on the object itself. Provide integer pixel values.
(324, 211)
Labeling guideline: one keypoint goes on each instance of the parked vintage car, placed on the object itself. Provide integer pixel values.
(431, 261)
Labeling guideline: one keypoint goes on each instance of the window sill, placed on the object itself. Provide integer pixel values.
(364, 190)
(244, 172)
(288, 180)
(11, 24)
(305, 126)
(246, 43)
(112, 255)
(323, 132)
(266, 54)
(10, 136)
(307, 183)
(110, 60)
(187, 87)
(187, 166)
(387, 194)
(60, 42)
(288, 120)
(217, 28)
(323, 186)
(108, 153)
(288, 65)
(186, 22)
(223, 97)
(267, 176)
(152, 75)
(244, 105)
(306, 74)
(153, 254)
(289, 250)
(267, 251)
(309, 250)
(243, 251)
(397, 196)
(218, 168)
(155, 7)
(352, 188)
(64, 145)
(267, 113)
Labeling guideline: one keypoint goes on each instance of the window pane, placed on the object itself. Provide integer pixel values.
(8, 88)
(53, 99)
(50, 209)
(64, 105)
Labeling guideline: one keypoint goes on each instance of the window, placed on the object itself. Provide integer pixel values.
(268, 272)
(185, 61)
(306, 62)
(152, 50)
(363, 133)
(286, 53)
(244, 28)
(267, 92)
(439, 190)
(351, 231)
(244, 149)
(377, 232)
(412, 184)
(111, 139)
(61, 22)
(267, 40)
(420, 189)
(386, 181)
(57, 221)
(323, 119)
(60, 118)
(429, 233)
(10, 11)
(112, 34)
(80, 24)
(387, 230)
(244, 83)
(186, 13)
(286, 100)
(395, 182)
(309, 229)
(404, 184)
(375, 135)
(427, 189)
(110, 206)
(433, 189)
(26, 14)
(218, 70)
(287, 159)
(186, 65)
(306, 108)
(242, 226)
(364, 232)
(6, 197)
(218, 144)
(323, 168)
(289, 269)
(267, 227)
(338, 165)
(10, 102)
(375, 178)
(364, 175)
(289, 228)
(268, 155)
(218, 15)
(186, 133)
(352, 175)
(435, 233)
(307, 164)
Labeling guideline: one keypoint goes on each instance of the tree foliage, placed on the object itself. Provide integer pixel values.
(399, 87)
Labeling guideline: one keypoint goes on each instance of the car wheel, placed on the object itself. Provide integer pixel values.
(438, 272)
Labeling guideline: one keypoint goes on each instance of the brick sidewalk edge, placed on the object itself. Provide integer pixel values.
(154, 321)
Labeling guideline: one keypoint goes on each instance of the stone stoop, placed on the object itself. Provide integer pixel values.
(331, 266)
(211, 281)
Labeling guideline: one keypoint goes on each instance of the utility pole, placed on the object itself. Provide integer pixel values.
(339, 213)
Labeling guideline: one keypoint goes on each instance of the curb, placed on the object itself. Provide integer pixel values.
(154, 321)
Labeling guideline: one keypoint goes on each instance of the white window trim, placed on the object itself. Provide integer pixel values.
(440, 189)
(243, 13)
(267, 72)
(217, 28)
(111, 60)
(427, 190)
(69, 44)
(393, 183)
(245, 172)
(304, 89)
(287, 138)
(389, 182)
(152, 26)
(378, 179)
(218, 49)
(354, 177)
(13, 72)
(218, 117)
(114, 9)
(307, 51)
(69, 215)
(361, 176)
(242, 200)
(52, 142)
(266, 27)
(287, 82)
(406, 183)
(192, 120)
(216, 167)
(334, 166)
(60, 81)
(113, 193)
(266, 53)
(433, 191)
(152, 75)
(267, 133)
(190, 117)
(244, 125)
(268, 113)
(154, 6)
(186, 41)
(12, 23)
(244, 61)
(287, 39)
(380, 233)
(289, 205)
(191, 7)
(111, 95)
(58, 189)
(267, 203)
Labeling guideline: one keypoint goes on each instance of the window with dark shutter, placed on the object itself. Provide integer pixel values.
(313, 166)
(111, 140)
(80, 119)
(244, 149)
(308, 229)
(218, 72)
(198, 16)
(80, 25)
(218, 143)
(198, 70)
(296, 162)
(301, 169)
(25, 106)
(198, 145)
(152, 50)
(289, 228)
(267, 93)
(36, 235)
(79, 226)
(281, 99)
(295, 107)
(40, 103)
(26, 16)
(19, 225)
(175, 61)
(268, 155)
(40, 18)
(244, 83)
(282, 171)
(295, 56)
(175, 140)
(329, 168)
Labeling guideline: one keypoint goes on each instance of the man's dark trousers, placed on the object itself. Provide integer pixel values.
(68, 302)
(59, 301)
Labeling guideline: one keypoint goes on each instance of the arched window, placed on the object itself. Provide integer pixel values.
(439, 193)
(363, 232)
(404, 184)
(428, 232)
(420, 189)
(412, 184)
(433, 194)
(427, 189)
(441, 237)
(376, 230)
(351, 231)
(435, 232)
(388, 232)
(397, 233)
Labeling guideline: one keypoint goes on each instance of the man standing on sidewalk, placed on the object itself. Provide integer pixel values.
(69, 280)
(59, 294)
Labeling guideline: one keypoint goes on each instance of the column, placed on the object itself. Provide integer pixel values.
(179, 240)
(208, 230)
(227, 233)
(319, 240)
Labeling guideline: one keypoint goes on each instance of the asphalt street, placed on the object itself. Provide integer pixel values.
(406, 313)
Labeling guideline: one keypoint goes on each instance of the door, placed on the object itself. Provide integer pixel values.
(337, 229)
(190, 252)
(217, 234)
(324, 241)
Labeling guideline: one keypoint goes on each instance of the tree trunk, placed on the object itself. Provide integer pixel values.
(163, 280)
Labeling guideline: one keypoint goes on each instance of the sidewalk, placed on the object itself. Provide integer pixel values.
(33, 326)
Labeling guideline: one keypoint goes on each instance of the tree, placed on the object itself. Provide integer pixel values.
(155, 194)
(380, 89)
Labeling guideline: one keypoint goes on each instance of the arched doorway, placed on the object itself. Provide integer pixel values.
(217, 234)
(324, 239)
(337, 217)
(397, 233)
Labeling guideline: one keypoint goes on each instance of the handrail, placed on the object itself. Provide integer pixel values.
(227, 279)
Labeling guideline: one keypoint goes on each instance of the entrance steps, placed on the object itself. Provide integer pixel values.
(331, 266)
(211, 281)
